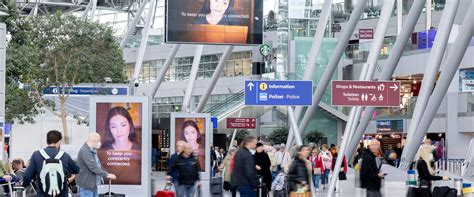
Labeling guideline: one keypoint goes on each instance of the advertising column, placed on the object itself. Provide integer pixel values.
(123, 122)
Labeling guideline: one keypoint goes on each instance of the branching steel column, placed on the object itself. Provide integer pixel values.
(392, 61)
(333, 62)
(94, 8)
(143, 43)
(433, 65)
(215, 76)
(451, 66)
(368, 70)
(131, 27)
(312, 59)
(163, 70)
(192, 79)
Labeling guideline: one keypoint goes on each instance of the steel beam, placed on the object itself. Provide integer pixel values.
(333, 62)
(143, 44)
(452, 64)
(215, 76)
(131, 27)
(192, 79)
(163, 70)
(433, 65)
(312, 59)
(368, 70)
(389, 67)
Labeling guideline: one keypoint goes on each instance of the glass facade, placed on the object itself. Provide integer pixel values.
(239, 64)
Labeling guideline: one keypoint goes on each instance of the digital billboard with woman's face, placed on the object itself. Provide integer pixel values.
(215, 21)
(193, 132)
(120, 128)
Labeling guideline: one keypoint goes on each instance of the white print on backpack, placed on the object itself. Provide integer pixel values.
(52, 168)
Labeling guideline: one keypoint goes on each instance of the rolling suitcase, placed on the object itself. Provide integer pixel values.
(216, 186)
(166, 191)
(111, 194)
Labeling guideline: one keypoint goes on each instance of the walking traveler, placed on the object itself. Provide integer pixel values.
(317, 167)
(263, 164)
(187, 168)
(54, 157)
(426, 172)
(91, 172)
(244, 176)
(226, 166)
(370, 175)
(326, 156)
(299, 171)
(282, 158)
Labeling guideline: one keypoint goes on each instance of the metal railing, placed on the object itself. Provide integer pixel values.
(227, 104)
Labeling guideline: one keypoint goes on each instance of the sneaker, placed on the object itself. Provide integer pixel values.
(317, 189)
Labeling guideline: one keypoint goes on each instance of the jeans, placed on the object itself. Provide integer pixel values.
(325, 177)
(246, 191)
(316, 178)
(186, 190)
(88, 193)
(371, 193)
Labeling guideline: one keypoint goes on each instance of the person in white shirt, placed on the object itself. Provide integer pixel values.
(282, 158)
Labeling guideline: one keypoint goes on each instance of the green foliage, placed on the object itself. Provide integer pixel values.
(55, 50)
(314, 137)
(241, 134)
(278, 136)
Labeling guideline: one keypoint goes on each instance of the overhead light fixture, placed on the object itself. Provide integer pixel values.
(414, 82)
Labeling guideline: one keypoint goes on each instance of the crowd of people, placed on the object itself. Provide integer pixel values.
(52, 172)
(257, 168)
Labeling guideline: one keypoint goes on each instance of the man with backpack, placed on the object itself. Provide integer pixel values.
(51, 166)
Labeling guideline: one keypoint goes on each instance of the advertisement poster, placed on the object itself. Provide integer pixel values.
(215, 21)
(194, 129)
(120, 127)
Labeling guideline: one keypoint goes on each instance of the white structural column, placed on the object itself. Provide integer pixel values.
(433, 65)
(390, 65)
(366, 74)
(429, 13)
(399, 16)
(449, 70)
(163, 70)
(143, 42)
(93, 9)
(215, 76)
(312, 59)
(3, 29)
(333, 62)
(192, 79)
(131, 26)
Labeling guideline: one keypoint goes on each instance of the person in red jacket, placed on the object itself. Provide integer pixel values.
(317, 167)
(343, 170)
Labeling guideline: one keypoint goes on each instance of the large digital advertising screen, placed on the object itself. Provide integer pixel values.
(195, 130)
(237, 22)
(120, 127)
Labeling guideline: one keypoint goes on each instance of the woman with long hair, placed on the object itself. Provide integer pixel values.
(120, 134)
(216, 12)
(426, 172)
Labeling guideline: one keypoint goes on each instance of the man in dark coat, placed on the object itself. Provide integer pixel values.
(370, 175)
(263, 164)
(244, 175)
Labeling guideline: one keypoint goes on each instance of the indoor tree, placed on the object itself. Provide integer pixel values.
(58, 51)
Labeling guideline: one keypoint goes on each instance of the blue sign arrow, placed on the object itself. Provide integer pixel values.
(286, 93)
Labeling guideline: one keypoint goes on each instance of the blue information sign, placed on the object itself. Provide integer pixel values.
(287, 93)
(214, 122)
(389, 125)
(85, 91)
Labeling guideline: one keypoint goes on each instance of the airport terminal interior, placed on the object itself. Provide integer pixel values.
(237, 98)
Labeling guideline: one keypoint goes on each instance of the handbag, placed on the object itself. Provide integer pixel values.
(317, 171)
(227, 186)
(342, 176)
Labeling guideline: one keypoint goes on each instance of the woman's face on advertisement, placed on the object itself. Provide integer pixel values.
(190, 134)
(120, 128)
(219, 6)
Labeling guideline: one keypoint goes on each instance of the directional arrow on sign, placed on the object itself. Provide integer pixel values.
(394, 87)
(250, 85)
